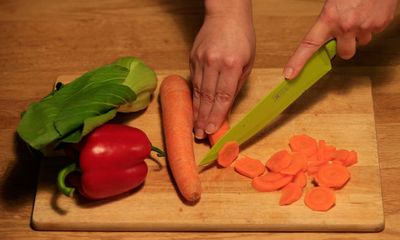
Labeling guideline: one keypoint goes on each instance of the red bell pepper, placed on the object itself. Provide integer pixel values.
(111, 162)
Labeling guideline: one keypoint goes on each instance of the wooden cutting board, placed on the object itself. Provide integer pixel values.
(338, 109)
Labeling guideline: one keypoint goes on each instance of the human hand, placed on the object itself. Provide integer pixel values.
(221, 59)
(351, 22)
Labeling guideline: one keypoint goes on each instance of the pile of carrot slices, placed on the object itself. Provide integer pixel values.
(289, 171)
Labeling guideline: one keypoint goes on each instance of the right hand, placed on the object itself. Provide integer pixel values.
(221, 59)
(350, 22)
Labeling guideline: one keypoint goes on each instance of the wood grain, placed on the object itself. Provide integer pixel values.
(42, 39)
(338, 109)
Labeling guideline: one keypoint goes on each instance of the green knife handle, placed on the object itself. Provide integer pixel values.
(330, 48)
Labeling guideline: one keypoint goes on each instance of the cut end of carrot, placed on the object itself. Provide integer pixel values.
(213, 138)
(228, 153)
(320, 199)
(249, 167)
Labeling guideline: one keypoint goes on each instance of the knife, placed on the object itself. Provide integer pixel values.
(266, 110)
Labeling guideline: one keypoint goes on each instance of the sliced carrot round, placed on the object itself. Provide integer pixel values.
(316, 163)
(313, 157)
(279, 161)
(303, 143)
(249, 167)
(228, 153)
(312, 170)
(329, 152)
(261, 185)
(290, 194)
(351, 159)
(296, 165)
(341, 155)
(320, 198)
(321, 151)
(338, 162)
(305, 162)
(332, 175)
(330, 148)
(300, 179)
(272, 176)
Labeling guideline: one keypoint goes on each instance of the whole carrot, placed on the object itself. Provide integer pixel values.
(177, 119)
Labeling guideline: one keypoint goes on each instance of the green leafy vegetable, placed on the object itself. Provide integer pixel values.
(75, 109)
(141, 79)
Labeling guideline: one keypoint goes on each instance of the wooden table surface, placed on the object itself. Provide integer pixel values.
(42, 39)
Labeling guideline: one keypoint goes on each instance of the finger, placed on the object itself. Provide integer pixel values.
(315, 38)
(245, 74)
(207, 95)
(346, 45)
(197, 76)
(225, 93)
(363, 38)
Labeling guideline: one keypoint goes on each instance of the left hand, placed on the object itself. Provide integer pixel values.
(351, 22)
(222, 57)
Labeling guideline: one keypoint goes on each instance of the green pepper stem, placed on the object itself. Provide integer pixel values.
(68, 191)
(159, 152)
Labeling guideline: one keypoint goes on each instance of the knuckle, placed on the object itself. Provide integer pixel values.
(350, 22)
(207, 97)
(309, 43)
(231, 62)
(347, 26)
(196, 91)
(328, 17)
(195, 56)
(211, 58)
(365, 26)
(378, 26)
(223, 97)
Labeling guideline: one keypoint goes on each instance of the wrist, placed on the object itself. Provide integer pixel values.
(229, 8)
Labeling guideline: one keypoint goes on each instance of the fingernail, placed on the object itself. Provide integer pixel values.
(199, 134)
(287, 73)
(210, 128)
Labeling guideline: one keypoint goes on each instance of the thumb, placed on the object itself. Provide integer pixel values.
(315, 38)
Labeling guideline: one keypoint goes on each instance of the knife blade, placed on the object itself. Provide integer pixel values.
(274, 103)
